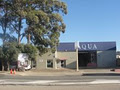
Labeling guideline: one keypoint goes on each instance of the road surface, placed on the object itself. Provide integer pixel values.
(80, 87)
(86, 79)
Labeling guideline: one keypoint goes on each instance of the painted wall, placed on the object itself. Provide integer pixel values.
(106, 58)
(42, 60)
(70, 58)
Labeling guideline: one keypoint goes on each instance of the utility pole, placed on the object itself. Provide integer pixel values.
(76, 48)
(77, 67)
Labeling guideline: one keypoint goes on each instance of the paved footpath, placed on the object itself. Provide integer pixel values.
(80, 87)
(59, 82)
(71, 77)
(62, 72)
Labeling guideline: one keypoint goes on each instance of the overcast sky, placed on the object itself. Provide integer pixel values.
(92, 21)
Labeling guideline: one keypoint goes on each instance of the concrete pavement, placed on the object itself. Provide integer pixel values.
(80, 87)
(60, 77)
(63, 72)
(45, 72)
(59, 82)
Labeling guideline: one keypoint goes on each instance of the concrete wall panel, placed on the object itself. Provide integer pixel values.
(70, 58)
(42, 60)
(106, 58)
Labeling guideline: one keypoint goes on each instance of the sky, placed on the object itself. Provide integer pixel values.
(92, 21)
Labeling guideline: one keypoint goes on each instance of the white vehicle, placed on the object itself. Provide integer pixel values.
(28, 67)
(23, 62)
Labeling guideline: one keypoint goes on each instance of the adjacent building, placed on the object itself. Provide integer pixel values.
(88, 55)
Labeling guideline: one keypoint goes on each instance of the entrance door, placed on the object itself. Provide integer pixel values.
(87, 59)
(61, 63)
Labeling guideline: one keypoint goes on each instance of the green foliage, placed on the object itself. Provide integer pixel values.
(46, 31)
(4, 18)
(1, 53)
(43, 19)
(31, 51)
(21, 48)
(10, 52)
(44, 22)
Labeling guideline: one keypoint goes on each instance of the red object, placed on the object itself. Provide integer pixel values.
(117, 70)
(91, 65)
(62, 59)
(11, 71)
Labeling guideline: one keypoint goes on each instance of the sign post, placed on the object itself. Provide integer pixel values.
(76, 48)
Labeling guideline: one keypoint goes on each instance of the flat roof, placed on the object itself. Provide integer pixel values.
(87, 46)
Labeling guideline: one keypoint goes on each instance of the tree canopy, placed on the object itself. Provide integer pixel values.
(10, 51)
(39, 20)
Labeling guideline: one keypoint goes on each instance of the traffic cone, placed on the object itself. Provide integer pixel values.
(11, 71)
(14, 71)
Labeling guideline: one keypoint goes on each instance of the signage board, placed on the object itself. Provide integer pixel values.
(87, 46)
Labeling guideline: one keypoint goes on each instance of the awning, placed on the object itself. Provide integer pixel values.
(61, 59)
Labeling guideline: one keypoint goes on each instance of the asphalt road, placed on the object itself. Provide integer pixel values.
(81, 87)
(85, 79)
(66, 77)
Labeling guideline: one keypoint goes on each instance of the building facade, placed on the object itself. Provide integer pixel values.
(88, 55)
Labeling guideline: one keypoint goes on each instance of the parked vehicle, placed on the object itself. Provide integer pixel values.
(23, 62)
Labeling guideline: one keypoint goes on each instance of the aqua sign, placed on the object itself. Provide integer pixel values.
(88, 46)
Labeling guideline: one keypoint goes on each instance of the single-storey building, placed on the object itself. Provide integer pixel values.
(89, 54)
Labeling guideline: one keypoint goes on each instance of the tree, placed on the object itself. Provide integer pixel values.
(45, 22)
(2, 58)
(31, 51)
(21, 48)
(10, 53)
(4, 18)
(18, 14)
(40, 20)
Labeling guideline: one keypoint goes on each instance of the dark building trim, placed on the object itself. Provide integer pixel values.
(87, 46)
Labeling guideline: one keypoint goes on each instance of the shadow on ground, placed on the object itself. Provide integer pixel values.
(101, 74)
